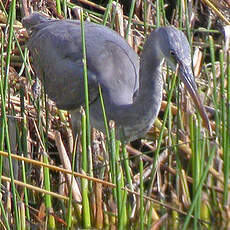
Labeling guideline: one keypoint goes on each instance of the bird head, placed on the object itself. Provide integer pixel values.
(175, 49)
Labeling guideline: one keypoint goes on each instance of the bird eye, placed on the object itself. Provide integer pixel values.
(172, 53)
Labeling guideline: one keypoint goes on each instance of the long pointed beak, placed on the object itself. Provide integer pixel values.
(187, 78)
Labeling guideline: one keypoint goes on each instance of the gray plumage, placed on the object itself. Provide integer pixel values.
(132, 88)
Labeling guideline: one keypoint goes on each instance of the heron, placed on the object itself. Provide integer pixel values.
(131, 86)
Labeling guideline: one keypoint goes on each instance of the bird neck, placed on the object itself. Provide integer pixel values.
(150, 71)
(146, 106)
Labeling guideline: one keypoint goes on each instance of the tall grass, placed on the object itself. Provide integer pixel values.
(177, 178)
